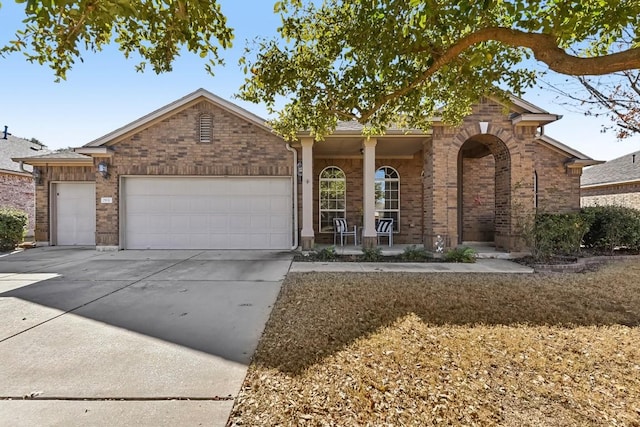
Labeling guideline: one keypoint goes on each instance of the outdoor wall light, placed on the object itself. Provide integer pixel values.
(103, 168)
(37, 176)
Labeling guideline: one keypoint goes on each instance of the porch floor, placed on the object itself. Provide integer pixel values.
(483, 249)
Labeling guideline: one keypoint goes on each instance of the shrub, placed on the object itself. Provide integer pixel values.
(463, 254)
(557, 234)
(413, 254)
(326, 254)
(13, 225)
(611, 227)
(371, 254)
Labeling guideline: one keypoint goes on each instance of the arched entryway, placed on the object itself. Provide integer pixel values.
(484, 191)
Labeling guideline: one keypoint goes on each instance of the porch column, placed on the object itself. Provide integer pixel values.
(307, 235)
(369, 236)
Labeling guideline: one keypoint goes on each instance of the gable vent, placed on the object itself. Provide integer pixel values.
(206, 125)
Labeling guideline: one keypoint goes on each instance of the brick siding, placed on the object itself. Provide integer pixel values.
(621, 195)
(18, 192)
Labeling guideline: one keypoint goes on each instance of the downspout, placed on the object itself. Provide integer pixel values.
(295, 196)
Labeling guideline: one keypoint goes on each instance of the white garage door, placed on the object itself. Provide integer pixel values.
(75, 213)
(207, 213)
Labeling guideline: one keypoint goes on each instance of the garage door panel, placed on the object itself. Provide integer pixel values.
(207, 213)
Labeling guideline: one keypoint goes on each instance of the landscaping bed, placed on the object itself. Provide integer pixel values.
(463, 349)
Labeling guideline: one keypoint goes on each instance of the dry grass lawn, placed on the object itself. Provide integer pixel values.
(392, 349)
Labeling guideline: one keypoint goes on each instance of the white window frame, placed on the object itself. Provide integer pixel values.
(337, 212)
(381, 211)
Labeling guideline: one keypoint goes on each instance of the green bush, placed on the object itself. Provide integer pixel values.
(13, 225)
(326, 254)
(415, 254)
(463, 254)
(371, 254)
(557, 234)
(611, 227)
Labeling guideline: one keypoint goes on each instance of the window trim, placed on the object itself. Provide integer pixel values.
(320, 209)
(396, 224)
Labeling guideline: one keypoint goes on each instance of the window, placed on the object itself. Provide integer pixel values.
(206, 123)
(535, 189)
(387, 195)
(333, 194)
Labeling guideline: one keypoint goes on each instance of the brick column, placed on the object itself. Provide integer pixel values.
(307, 235)
(369, 236)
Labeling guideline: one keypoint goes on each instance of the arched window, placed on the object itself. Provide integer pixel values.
(387, 193)
(205, 128)
(333, 196)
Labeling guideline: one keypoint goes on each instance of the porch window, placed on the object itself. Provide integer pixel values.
(333, 195)
(387, 194)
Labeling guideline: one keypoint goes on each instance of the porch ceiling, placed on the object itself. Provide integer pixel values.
(390, 147)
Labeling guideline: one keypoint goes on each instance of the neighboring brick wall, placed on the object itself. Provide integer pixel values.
(49, 174)
(620, 195)
(410, 195)
(18, 191)
(478, 199)
(172, 147)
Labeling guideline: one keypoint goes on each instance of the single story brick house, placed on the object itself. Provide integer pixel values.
(203, 173)
(616, 182)
(17, 188)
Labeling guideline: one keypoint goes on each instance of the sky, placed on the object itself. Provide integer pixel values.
(105, 92)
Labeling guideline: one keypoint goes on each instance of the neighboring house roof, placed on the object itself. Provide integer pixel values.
(13, 147)
(60, 158)
(171, 108)
(617, 171)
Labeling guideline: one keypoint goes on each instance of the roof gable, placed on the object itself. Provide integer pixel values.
(173, 108)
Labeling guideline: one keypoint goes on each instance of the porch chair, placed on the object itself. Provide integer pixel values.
(384, 227)
(341, 228)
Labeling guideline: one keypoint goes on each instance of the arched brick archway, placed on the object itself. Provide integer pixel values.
(484, 190)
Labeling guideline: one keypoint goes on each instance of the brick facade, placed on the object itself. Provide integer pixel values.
(462, 184)
(18, 192)
(171, 147)
(617, 194)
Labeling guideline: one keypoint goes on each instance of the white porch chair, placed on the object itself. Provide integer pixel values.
(341, 228)
(384, 227)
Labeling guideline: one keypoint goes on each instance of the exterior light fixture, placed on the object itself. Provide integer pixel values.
(37, 176)
(103, 168)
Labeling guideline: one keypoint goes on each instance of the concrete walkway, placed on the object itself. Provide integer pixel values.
(144, 338)
(480, 266)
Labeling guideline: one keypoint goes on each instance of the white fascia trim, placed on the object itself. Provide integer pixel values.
(607, 184)
(537, 118)
(95, 151)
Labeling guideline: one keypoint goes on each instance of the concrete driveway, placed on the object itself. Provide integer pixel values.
(149, 338)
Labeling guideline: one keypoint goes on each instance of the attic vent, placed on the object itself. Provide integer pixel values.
(206, 125)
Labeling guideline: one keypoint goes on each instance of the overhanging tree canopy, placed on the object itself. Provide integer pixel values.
(404, 61)
(56, 32)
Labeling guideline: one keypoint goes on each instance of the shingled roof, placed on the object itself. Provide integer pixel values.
(14, 147)
(622, 169)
